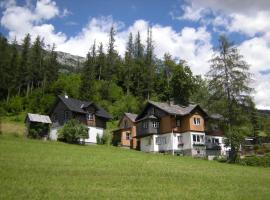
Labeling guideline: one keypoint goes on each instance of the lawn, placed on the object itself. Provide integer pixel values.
(32, 169)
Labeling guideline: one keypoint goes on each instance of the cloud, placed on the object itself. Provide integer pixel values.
(192, 44)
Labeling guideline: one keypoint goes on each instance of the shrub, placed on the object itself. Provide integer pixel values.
(105, 139)
(38, 130)
(72, 132)
(263, 161)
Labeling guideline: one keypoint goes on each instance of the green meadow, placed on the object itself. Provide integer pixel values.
(33, 169)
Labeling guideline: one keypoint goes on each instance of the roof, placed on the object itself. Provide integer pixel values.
(131, 116)
(39, 118)
(148, 117)
(76, 105)
(173, 109)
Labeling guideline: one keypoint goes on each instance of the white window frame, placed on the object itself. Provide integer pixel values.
(161, 140)
(196, 121)
(155, 124)
(198, 138)
(90, 116)
(145, 124)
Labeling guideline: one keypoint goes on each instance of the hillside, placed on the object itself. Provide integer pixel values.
(32, 169)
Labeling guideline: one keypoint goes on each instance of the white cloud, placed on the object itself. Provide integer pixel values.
(191, 44)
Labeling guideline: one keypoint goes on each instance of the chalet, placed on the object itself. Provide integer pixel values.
(88, 113)
(164, 127)
(125, 136)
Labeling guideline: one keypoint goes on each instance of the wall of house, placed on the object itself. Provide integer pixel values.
(166, 124)
(145, 131)
(147, 143)
(58, 114)
(194, 127)
(122, 122)
(92, 135)
(224, 150)
(124, 141)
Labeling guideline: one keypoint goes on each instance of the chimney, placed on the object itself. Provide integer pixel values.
(66, 96)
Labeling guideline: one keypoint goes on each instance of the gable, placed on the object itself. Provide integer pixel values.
(151, 109)
(125, 121)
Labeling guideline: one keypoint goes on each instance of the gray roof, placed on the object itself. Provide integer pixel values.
(148, 117)
(131, 116)
(39, 118)
(76, 105)
(174, 109)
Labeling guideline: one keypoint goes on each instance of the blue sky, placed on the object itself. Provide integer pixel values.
(187, 29)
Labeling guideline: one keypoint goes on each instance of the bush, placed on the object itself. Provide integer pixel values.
(263, 161)
(105, 139)
(221, 159)
(38, 130)
(72, 132)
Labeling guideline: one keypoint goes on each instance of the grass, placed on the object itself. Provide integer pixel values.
(13, 124)
(32, 169)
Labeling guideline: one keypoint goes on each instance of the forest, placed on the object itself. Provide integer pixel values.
(30, 80)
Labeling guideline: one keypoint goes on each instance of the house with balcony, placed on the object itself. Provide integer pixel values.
(166, 127)
(215, 137)
(88, 113)
(125, 136)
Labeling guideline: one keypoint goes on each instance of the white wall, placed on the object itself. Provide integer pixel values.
(53, 133)
(147, 144)
(92, 134)
(224, 149)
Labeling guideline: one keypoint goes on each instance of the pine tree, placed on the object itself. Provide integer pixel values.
(24, 63)
(149, 64)
(111, 56)
(129, 63)
(229, 89)
(101, 62)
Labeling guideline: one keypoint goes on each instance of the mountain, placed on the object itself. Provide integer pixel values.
(69, 62)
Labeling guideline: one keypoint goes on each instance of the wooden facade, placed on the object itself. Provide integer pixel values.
(126, 134)
(192, 121)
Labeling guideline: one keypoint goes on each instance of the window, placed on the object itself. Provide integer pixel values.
(128, 136)
(196, 121)
(215, 140)
(161, 140)
(66, 115)
(145, 125)
(178, 123)
(198, 138)
(155, 124)
(90, 116)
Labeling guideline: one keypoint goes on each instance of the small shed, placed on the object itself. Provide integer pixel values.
(38, 126)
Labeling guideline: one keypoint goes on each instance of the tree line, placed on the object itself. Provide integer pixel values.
(30, 81)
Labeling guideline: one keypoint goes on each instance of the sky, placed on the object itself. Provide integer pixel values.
(187, 29)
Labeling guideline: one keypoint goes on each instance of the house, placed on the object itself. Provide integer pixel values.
(166, 127)
(126, 134)
(88, 113)
(39, 123)
(215, 138)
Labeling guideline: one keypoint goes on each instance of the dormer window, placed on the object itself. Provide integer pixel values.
(90, 116)
(196, 121)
